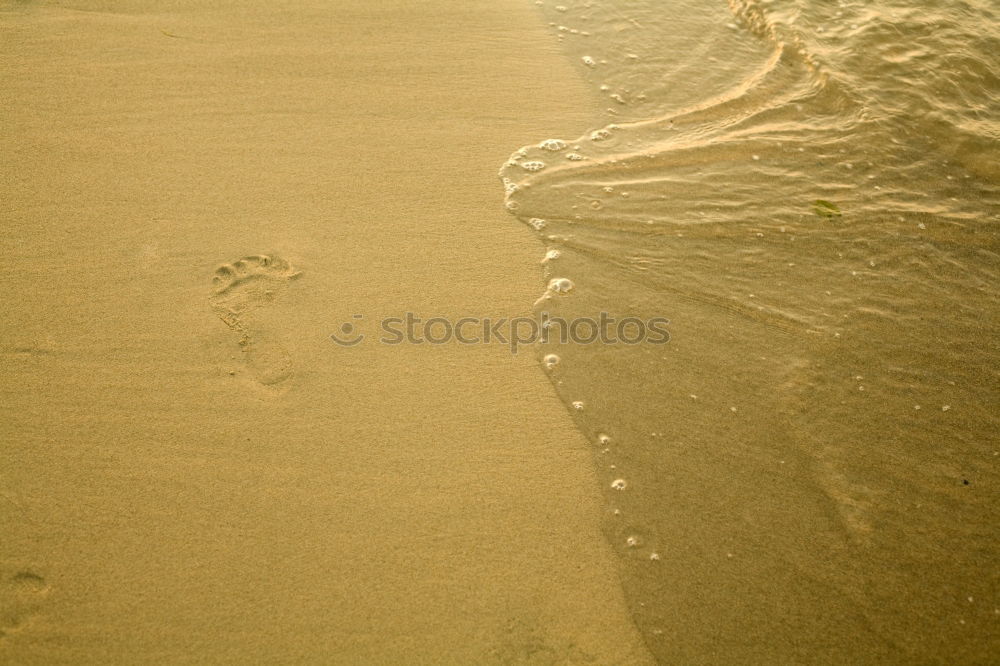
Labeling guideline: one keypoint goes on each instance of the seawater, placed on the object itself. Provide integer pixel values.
(810, 192)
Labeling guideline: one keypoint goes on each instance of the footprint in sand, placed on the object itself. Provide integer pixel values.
(239, 290)
(520, 641)
(21, 597)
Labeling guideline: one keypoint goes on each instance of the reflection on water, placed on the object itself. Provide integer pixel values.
(810, 193)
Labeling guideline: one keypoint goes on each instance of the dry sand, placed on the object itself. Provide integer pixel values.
(170, 496)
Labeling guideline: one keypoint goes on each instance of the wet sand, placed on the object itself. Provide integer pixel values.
(808, 468)
(171, 494)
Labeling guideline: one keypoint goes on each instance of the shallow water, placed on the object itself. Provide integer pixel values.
(810, 193)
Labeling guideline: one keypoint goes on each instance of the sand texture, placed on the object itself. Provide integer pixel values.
(194, 196)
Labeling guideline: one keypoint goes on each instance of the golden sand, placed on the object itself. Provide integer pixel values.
(192, 471)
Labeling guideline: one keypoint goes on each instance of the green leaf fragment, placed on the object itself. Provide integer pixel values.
(825, 208)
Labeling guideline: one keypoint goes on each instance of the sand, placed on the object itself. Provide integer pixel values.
(171, 495)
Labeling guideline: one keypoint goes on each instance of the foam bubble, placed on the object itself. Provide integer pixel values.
(575, 157)
(551, 361)
(552, 254)
(534, 165)
(578, 405)
(600, 135)
(619, 484)
(560, 285)
(552, 144)
(603, 439)
(536, 223)
(588, 61)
